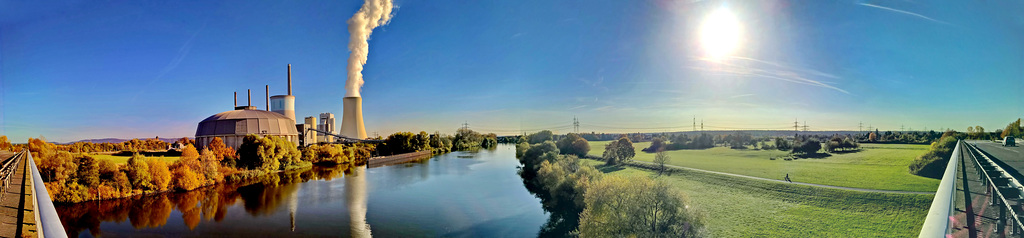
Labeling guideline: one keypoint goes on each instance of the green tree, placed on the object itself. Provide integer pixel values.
(619, 151)
(88, 171)
(258, 153)
(541, 136)
(138, 172)
(660, 159)
(573, 144)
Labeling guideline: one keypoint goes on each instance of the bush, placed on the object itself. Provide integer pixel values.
(933, 162)
(637, 207)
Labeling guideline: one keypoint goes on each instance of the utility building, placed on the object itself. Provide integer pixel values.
(326, 124)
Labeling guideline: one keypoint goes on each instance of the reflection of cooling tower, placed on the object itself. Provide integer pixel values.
(355, 199)
(352, 119)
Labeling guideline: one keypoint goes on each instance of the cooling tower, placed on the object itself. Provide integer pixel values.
(352, 119)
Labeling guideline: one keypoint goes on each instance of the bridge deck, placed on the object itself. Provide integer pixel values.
(977, 210)
(16, 217)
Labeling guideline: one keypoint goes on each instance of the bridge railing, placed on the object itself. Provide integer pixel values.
(939, 219)
(47, 221)
(1002, 189)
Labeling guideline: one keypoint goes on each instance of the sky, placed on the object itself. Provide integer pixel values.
(72, 70)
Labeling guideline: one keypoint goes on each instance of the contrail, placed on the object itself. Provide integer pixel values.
(374, 13)
(904, 12)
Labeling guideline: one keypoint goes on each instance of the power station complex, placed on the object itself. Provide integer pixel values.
(279, 120)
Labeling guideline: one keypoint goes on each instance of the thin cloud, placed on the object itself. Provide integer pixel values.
(577, 107)
(904, 12)
(750, 67)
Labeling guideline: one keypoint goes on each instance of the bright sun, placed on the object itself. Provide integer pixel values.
(720, 34)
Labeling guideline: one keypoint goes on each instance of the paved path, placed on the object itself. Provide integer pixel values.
(783, 181)
(16, 217)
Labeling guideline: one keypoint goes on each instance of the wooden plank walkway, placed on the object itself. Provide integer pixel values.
(16, 217)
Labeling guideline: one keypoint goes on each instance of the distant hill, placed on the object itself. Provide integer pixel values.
(118, 140)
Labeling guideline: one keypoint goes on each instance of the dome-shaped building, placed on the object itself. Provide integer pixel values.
(232, 126)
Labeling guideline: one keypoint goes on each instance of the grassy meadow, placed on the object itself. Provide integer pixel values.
(740, 207)
(876, 166)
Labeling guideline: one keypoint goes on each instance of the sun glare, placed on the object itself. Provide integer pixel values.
(720, 34)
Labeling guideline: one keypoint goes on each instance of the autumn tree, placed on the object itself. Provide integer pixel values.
(59, 168)
(189, 152)
(161, 175)
(186, 179)
(5, 144)
(210, 166)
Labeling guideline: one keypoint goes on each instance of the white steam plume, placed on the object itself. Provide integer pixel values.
(374, 13)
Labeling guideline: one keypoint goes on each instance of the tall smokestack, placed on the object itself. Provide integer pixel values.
(289, 79)
(352, 120)
(236, 99)
(268, 97)
(250, 97)
(374, 13)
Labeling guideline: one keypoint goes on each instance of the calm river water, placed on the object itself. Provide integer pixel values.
(458, 194)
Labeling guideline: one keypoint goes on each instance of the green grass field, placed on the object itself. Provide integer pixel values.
(877, 166)
(124, 159)
(739, 207)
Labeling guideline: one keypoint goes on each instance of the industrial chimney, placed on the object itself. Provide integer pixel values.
(284, 104)
(352, 119)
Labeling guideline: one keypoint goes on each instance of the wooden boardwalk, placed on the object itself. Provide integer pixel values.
(16, 208)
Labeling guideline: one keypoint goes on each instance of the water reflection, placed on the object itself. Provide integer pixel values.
(355, 198)
(475, 194)
(259, 197)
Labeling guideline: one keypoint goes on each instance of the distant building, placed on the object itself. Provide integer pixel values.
(327, 124)
(309, 137)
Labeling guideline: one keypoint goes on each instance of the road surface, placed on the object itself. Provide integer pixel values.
(1009, 155)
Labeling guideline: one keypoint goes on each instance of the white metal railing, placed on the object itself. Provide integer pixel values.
(47, 222)
(937, 223)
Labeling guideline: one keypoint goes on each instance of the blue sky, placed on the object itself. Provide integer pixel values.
(73, 70)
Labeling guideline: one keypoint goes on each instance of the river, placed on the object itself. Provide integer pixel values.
(459, 194)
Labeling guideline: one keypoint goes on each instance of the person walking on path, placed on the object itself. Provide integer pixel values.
(787, 178)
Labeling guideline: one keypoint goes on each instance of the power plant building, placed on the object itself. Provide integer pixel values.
(327, 124)
(232, 126)
(309, 137)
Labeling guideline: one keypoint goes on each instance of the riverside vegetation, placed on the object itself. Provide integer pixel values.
(71, 175)
(584, 202)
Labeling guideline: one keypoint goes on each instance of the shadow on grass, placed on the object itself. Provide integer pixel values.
(604, 168)
(847, 151)
(812, 156)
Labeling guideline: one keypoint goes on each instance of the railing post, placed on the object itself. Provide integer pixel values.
(1002, 220)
